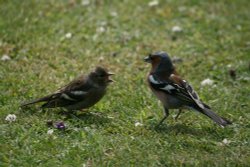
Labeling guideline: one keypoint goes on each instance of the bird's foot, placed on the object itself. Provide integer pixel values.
(178, 114)
(160, 123)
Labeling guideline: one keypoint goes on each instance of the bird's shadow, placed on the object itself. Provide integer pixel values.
(88, 118)
(80, 118)
(181, 129)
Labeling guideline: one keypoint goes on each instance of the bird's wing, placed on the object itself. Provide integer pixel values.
(76, 90)
(177, 87)
(72, 93)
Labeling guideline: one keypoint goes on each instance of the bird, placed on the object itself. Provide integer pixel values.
(173, 91)
(81, 93)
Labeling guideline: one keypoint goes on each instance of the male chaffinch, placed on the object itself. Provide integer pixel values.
(81, 93)
(173, 91)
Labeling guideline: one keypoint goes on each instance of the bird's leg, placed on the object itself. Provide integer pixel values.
(178, 114)
(82, 112)
(166, 114)
(67, 112)
(64, 112)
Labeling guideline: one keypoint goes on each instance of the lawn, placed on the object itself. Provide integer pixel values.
(45, 44)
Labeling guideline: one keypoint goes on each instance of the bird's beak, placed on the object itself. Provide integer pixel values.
(109, 79)
(110, 73)
(147, 59)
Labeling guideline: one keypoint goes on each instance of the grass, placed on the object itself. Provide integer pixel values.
(118, 34)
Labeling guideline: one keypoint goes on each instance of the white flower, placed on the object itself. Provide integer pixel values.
(5, 58)
(207, 82)
(50, 131)
(138, 124)
(153, 3)
(113, 14)
(101, 29)
(85, 2)
(225, 141)
(10, 118)
(68, 35)
(176, 29)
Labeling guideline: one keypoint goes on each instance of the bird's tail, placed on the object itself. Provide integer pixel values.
(43, 99)
(219, 120)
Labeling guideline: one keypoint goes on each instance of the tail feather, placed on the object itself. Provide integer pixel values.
(219, 120)
(43, 99)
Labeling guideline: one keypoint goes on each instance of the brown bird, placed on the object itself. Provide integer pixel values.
(81, 93)
(173, 91)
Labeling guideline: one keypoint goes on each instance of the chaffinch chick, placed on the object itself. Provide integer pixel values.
(173, 91)
(81, 93)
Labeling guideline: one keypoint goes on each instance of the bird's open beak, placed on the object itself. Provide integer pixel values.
(109, 79)
(147, 59)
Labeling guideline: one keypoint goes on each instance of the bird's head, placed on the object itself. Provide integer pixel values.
(160, 61)
(101, 76)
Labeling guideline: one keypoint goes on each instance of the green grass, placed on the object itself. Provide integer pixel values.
(215, 39)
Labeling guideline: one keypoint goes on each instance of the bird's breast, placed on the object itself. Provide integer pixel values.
(169, 101)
